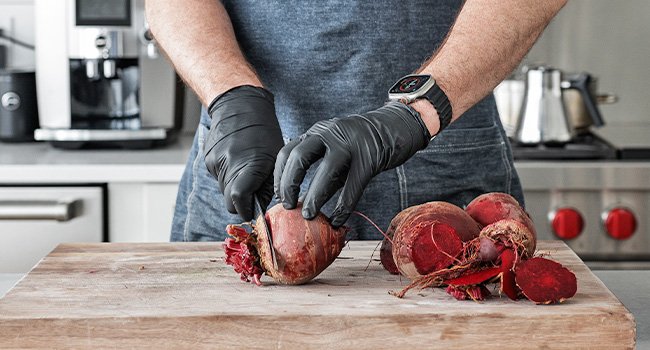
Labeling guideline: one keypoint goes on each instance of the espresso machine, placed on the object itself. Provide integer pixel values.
(101, 80)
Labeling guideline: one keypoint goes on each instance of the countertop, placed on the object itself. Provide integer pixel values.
(631, 288)
(41, 163)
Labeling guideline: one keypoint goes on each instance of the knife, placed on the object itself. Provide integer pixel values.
(259, 211)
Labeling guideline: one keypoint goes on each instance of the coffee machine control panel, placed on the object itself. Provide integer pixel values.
(104, 29)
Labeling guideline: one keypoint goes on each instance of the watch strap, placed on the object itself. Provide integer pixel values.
(441, 103)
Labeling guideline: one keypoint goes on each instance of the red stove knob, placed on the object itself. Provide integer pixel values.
(567, 223)
(620, 223)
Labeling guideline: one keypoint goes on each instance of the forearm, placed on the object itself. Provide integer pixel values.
(487, 41)
(197, 36)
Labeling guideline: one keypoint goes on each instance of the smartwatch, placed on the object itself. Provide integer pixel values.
(413, 87)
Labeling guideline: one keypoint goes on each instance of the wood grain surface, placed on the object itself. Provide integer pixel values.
(182, 295)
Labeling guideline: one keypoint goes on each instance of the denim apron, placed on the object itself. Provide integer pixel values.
(328, 59)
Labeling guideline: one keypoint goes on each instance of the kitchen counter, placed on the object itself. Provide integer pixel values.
(629, 286)
(41, 163)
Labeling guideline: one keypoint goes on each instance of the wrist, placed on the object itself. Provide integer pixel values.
(240, 91)
(227, 83)
(428, 114)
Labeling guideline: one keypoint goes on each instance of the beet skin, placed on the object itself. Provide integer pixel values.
(303, 248)
(491, 207)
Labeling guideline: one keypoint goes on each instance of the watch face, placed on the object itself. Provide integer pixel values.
(409, 84)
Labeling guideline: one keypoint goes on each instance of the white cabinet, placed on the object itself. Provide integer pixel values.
(141, 212)
(34, 220)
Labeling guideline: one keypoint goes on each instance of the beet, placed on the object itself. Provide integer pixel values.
(508, 285)
(386, 257)
(499, 236)
(491, 207)
(474, 277)
(506, 233)
(430, 237)
(545, 281)
(303, 248)
(386, 250)
(242, 256)
(476, 293)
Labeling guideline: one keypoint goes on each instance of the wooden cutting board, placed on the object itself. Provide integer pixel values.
(182, 295)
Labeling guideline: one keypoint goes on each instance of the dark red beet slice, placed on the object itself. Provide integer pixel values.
(457, 293)
(545, 281)
(508, 285)
(441, 236)
(474, 277)
(477, 293)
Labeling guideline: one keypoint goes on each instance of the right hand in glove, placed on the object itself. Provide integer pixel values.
(242, 145)
(353, 150)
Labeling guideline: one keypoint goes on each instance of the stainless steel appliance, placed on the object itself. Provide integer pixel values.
(586, 191)
(542, 118)
(552, 115)
(18, 110)
(581, 99)
(33, 220)
(100, 76)
(601, 209)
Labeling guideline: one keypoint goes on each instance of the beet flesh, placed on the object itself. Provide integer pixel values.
(434, 247)
(508, 285)
(476, 292)
(430, 236)
(241, 255)
(491, 207)
(476, 277)
(303, 248)
(545, 281)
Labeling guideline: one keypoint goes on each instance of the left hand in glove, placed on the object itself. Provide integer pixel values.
(354, 149)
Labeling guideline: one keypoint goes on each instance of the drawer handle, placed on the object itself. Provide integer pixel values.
(39, 210)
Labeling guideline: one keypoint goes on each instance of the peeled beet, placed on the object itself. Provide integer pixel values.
(545, 281)
(430, 237)
(491, 207)
(303, 248)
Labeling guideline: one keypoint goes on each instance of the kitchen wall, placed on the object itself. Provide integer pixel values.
(17, 20)
(610, 39)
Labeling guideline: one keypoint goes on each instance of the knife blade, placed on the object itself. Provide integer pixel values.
(265, 227)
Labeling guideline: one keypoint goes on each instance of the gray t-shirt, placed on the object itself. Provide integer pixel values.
(329, 59)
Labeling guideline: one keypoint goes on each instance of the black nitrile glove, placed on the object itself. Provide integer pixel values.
(354, 150)
(242, 145)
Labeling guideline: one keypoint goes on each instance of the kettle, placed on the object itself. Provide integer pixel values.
(543, 115)
(582, 114)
